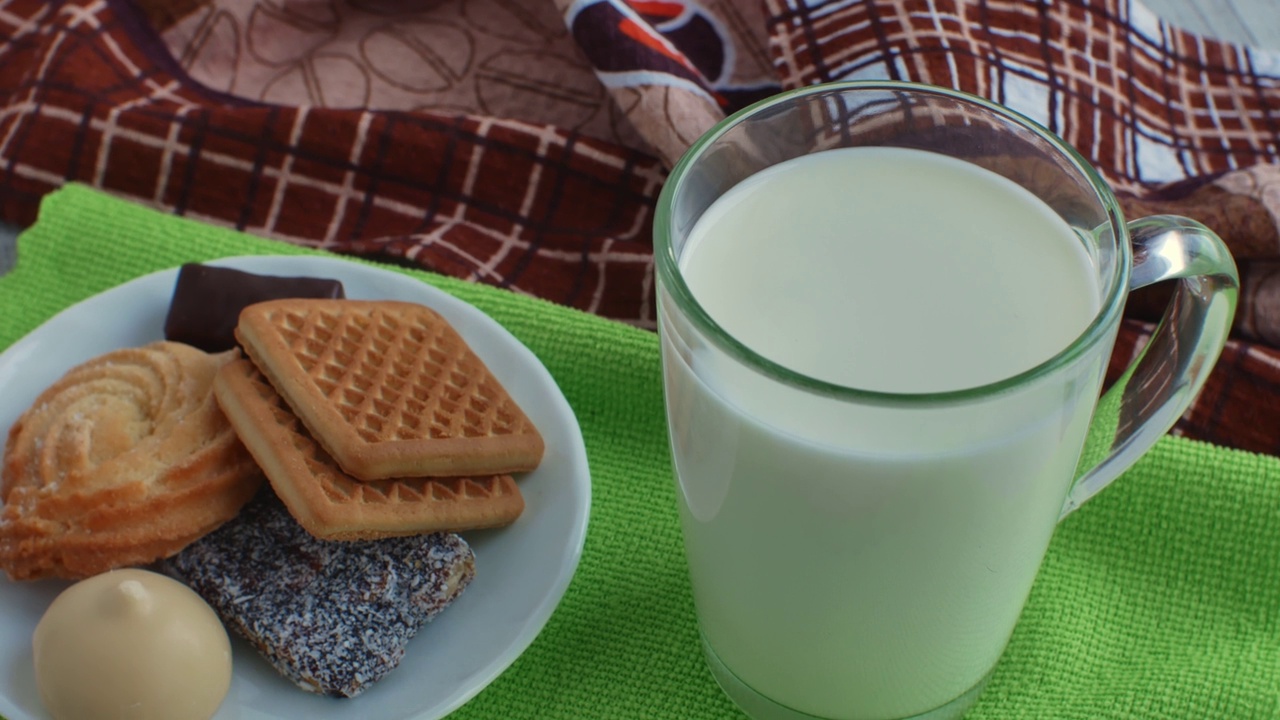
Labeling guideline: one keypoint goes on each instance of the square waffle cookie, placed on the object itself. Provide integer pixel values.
(389, 389)
(332, 505)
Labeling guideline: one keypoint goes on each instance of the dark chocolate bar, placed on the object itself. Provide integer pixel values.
(207, 302)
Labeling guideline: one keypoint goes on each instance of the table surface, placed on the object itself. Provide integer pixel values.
(1248, 22)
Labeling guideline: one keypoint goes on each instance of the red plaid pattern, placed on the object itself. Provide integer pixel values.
(1147, 103)
(87, 94)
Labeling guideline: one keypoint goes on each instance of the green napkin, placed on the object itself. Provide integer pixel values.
(1159, 599)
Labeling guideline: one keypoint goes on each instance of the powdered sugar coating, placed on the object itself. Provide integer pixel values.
(333, 617)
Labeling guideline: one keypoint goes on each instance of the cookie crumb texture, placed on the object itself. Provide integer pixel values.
(334, 618)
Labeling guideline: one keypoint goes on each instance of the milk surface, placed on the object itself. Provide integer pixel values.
(891, 269)
(861, 561)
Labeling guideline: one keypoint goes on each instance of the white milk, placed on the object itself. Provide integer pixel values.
(860, 561)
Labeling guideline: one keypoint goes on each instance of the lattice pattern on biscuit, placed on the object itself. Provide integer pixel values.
(332, 504)
(398, 377)
(389, 389)
(340, 488)
(413, 489)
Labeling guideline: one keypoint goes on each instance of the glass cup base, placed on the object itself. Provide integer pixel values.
(759, 707)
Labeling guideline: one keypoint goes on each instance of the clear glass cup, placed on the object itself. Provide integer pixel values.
(877, 573)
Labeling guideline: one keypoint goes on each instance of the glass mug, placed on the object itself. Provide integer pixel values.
(872, 566)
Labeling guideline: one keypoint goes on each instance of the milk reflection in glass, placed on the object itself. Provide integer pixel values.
(851, 560)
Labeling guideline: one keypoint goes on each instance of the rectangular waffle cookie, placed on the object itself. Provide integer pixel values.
(330, 504)
(334, 618)
(389, 389)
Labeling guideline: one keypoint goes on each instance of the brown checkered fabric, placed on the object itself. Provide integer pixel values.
(1175, 122)
(88, 94)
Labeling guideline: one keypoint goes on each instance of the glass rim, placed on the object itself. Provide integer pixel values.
(672, 280)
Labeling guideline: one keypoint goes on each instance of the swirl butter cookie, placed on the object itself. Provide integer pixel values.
(124, 460)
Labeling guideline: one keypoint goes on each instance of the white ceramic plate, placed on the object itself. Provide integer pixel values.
(521, 570)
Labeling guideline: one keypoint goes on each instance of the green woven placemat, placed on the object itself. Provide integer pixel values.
(1160, 599)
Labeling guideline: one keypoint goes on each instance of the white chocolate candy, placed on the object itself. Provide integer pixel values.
(131, 644)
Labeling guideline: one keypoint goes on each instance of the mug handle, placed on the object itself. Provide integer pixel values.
(1158, 387)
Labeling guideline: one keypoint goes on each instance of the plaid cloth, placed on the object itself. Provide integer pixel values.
(89, 93)
(523, 144)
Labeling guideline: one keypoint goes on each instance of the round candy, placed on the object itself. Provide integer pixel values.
(131, 644)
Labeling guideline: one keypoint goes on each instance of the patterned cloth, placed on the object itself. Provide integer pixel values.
(522, 143)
